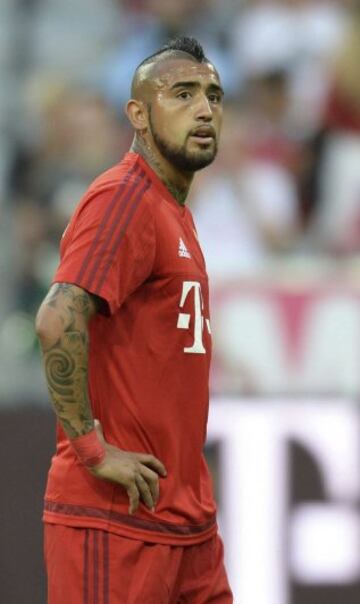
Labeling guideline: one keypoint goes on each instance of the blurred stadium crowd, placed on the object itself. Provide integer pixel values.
(284, 194)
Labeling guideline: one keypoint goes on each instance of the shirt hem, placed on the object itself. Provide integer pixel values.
(131, 532)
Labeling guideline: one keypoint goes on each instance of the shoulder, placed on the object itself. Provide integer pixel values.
(125, 186)
(126, 174)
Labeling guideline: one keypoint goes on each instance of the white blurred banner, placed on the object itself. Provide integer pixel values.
(288, 479)
(296, 335)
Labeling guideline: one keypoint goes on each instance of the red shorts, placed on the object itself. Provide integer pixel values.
(91, 566)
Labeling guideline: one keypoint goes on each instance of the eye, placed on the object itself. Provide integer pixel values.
(185, 94)
(214, 97)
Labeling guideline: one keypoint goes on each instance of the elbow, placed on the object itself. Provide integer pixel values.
(42, 328)
(47, 328)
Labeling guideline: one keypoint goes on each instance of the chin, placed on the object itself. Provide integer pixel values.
(196, 160)
(199, 161)
(185, 159)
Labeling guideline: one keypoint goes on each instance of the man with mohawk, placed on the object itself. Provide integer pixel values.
(126, 339)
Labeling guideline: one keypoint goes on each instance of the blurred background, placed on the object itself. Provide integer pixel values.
(278, 215)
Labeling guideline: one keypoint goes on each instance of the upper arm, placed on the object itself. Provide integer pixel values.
(66, 307)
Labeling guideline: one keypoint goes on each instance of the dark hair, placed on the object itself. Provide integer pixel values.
(184, 44)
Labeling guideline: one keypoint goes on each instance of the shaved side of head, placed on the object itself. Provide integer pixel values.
(146, 72)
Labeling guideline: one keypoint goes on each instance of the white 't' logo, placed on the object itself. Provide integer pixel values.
(184, 318)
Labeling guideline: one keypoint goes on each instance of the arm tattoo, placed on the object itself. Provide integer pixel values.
(66, 361)
(77, 302)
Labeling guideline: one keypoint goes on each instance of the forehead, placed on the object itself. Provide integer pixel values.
(168, 72)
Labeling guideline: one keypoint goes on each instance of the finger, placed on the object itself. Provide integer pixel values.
(152, 462)
(152, 480)
(99, 430)
(144, 491)
(134, 498)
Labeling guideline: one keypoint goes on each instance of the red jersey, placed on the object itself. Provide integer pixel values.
(133, 245)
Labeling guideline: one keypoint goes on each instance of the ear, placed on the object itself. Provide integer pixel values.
(137, 114)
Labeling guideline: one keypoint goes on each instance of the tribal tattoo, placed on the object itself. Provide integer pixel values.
(66, 360)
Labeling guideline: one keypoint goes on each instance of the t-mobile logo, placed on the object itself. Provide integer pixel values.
(184, 318)
(283, 543)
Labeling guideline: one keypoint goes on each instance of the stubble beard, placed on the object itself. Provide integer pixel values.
(180, 157)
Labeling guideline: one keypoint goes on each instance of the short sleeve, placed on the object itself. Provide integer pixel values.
(108, 248)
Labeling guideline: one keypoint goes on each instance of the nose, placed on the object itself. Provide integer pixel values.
(203, 109)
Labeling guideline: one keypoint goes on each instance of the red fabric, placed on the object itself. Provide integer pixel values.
(89, 449)
(132, 244)
(90, 566)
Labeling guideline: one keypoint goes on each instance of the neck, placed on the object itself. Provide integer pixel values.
(178, 183)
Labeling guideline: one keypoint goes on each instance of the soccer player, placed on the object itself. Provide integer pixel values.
(126, 342)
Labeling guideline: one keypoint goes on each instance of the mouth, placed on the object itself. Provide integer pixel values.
(204, 135)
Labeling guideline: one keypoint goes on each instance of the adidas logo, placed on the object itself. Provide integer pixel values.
(183, 251)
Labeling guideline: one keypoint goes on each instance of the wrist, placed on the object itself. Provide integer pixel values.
(88, 448)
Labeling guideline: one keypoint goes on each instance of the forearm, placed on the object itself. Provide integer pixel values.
(62, 328)
(65, 365)
(63, 336)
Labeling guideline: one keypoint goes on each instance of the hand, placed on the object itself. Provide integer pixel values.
(138, 473)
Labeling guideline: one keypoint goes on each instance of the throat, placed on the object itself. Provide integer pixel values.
(179, 194)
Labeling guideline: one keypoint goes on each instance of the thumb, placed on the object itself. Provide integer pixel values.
(99, 430)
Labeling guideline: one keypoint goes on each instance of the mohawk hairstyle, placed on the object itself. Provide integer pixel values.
(184, 44)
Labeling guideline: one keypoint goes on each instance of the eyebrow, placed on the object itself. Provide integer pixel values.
(192, 84)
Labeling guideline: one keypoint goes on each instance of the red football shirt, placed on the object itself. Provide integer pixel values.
(133, 245)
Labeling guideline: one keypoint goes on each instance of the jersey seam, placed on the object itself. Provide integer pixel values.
(108, 511)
